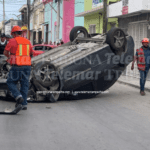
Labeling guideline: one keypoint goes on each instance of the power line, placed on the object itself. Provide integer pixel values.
(50, 8)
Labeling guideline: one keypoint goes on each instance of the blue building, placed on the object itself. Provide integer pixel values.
(50, 18)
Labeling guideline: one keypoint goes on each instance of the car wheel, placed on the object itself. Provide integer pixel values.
(117, 40)
(31, 92)
(54, 88)
(78, 31)
(44, 73)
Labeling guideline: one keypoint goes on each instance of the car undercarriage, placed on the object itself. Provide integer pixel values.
(78, 69)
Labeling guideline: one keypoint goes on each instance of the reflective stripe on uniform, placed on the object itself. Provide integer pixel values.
(20, 49)
(140, 55)
(143, 63)
(27, 50)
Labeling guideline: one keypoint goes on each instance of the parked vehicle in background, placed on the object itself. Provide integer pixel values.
(43, 47)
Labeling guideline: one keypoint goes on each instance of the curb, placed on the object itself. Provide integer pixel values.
(132, 85)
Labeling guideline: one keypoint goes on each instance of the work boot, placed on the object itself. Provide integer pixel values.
(17, 109)
(24, 107)
(19, 101)
(142, 93)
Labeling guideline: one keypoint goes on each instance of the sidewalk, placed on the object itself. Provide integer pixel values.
(134, 82)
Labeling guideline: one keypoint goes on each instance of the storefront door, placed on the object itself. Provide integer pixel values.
(40, 37)
(138, 30)
(34, 38)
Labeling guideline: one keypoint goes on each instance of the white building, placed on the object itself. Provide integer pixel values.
(134, 18)
(36, 22)
(10, 23)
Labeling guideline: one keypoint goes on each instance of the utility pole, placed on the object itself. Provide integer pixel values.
(105, 16)
(28, 19)
(4, 16)
(58, 19)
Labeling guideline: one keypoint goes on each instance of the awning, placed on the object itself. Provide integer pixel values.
(92, 11)
(131, 14)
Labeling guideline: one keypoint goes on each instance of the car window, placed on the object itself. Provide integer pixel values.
(47, 48)
(38, 48)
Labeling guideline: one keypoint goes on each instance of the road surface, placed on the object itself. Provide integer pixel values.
(118, 120)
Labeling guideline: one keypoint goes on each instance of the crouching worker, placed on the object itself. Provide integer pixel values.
(18, 51)
(143, 62)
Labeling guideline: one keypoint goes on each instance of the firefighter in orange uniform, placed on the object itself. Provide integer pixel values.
(18, 51)
(143, 62)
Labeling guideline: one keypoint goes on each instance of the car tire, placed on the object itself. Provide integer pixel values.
(76, 31)
(40, 73)
(52, 98)
(116, 39)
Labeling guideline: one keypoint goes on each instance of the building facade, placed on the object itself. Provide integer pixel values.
(93, 16)
(50, 24)
(9, 25)
(1, 27)
(23, 11)
(67, 20)
(134, 18)
(36, 22)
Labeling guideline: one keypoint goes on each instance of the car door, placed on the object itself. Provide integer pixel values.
(47, 48)
(39, 48)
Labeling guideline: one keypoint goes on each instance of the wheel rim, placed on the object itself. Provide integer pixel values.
(119, 39)
(47, 74)
(80, 34)
(4, 71)
(54, 87)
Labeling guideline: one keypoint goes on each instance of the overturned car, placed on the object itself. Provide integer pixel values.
(78, 69)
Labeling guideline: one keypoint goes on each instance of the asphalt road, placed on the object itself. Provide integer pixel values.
(118, 120)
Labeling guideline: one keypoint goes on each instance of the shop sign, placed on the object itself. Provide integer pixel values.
(125, 7)
(97, 3)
